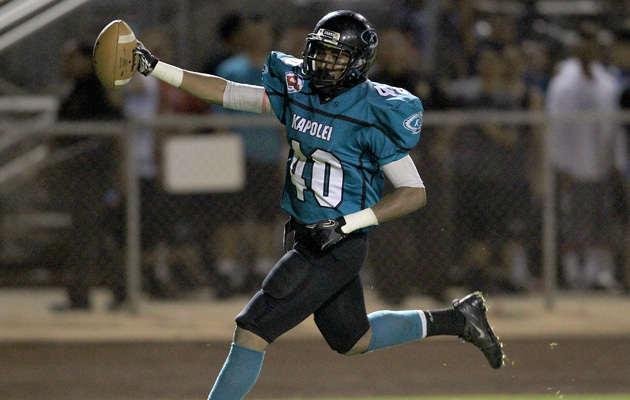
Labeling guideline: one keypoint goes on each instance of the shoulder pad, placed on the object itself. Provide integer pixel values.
(280, 76)
(278, 61)
(397, 112)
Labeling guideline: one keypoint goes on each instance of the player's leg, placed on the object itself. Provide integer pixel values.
(390, 328)
(342, 320)
(348, 330)
(466, 320)
(241, 368)
(298, 284)
(244, 362)
(344, 323)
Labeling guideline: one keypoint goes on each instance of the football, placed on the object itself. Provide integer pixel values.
(113, 57)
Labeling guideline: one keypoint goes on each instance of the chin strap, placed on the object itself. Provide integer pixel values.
(327, 92)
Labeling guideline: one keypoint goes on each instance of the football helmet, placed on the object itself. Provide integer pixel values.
(339, 52)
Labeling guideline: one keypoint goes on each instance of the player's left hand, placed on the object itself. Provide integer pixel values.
(328, 232)
(147, 61)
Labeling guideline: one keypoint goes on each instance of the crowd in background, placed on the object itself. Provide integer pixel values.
(484, 179)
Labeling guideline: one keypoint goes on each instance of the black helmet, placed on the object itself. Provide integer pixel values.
(347, 33)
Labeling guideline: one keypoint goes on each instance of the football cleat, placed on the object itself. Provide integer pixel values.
(477, 330)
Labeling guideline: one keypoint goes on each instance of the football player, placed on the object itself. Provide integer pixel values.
(346, 135)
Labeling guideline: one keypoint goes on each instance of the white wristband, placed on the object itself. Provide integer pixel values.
(358, 220)
(168, 73)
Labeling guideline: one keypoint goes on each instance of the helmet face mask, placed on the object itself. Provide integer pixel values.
(339, 52)
(327, 64)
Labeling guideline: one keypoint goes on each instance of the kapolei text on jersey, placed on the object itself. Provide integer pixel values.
(313, 128)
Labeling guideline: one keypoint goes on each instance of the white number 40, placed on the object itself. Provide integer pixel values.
(326, 176)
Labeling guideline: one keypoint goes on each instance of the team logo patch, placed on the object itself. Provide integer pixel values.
(414, 123)
(294, 82)
(265, 69)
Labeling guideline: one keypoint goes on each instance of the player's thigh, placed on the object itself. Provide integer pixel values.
(298, 285)
(342, 319)
(283, 301)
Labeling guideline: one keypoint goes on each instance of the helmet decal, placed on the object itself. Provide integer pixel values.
(327, 36)
(370, 38)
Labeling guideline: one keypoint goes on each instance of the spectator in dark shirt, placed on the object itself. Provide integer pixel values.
(79, 182)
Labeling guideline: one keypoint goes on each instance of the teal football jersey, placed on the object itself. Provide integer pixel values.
(338, 147)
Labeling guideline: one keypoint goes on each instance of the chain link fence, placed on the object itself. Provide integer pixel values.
(78, 213)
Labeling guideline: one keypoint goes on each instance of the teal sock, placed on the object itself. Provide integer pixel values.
(390, 328)
(239, 373)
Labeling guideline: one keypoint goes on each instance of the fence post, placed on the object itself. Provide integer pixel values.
(549, 227)
(132, 233)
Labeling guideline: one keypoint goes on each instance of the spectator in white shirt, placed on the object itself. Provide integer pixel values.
(587, 153)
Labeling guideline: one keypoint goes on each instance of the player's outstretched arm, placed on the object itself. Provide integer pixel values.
(210, 88)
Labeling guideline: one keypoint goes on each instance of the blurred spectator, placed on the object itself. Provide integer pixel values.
(141, 102)
(292, 40)
(230, 38)
(83, 178)
(178, 262)
(440, 31)
(161, 214)
(423, 257)
(620, 59)
(587, 155)
(498, 31)
(399, 62)
(243, 263)
(493, 195)
(518, 253)
(537, 64)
